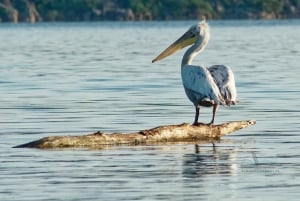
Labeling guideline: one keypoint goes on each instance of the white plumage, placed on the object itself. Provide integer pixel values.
(224, 79)
(200, 86)
(208, 87)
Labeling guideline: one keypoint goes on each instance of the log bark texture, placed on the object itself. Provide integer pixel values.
(169, 133)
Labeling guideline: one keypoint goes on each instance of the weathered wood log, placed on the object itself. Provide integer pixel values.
(170, 133)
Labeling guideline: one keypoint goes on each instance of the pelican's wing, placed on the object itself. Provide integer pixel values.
(199, 85)
(224, 79)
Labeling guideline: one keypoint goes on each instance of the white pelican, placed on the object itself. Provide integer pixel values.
(208, 87)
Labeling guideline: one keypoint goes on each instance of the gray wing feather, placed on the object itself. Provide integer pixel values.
(224, 79)
(199, 85)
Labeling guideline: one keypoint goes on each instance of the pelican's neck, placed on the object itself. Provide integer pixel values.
(195, 49)
(189, 55)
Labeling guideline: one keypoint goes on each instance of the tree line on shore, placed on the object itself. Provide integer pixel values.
(98, 10)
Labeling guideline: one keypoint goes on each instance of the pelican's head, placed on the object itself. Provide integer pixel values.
(198, 33)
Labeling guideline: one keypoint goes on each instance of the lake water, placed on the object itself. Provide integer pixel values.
(78, 78)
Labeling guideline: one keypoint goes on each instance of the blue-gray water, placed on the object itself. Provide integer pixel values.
(77, 78)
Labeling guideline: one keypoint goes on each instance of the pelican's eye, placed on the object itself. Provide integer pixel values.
(193, 34)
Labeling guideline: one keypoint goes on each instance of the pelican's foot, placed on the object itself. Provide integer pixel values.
(210, 123)
(198, 124)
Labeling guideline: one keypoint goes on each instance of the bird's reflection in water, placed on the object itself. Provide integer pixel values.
(208, 160)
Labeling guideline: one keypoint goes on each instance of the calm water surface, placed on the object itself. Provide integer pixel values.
(72, 79)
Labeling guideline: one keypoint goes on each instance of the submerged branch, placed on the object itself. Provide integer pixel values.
(169, 133)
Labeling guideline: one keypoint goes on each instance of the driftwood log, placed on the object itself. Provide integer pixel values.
(162, 134)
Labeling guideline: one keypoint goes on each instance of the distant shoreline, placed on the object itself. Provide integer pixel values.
(33, 11)
(152, 21)
(168, 20)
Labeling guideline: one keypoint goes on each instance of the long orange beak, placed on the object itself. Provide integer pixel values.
(186, 39)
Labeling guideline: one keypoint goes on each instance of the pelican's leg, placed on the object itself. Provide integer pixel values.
(196, 115)
(215, 107)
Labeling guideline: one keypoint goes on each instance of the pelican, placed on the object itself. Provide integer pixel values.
(208, 87)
